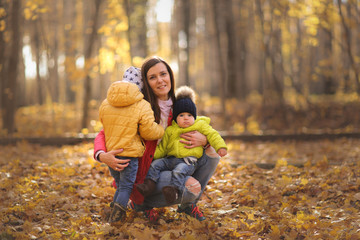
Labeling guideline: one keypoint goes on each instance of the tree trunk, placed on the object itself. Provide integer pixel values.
(187, 16)
(136, 32)
(3, 45)
(263, 77)
(128, 14)
(231, 51)
(276, 62)
(326, 49)
(55, 70)
(221, 65)
(88, 54)
(183, 40)
(69, 18)
(347, 37)
(37, 59)
(10, 104)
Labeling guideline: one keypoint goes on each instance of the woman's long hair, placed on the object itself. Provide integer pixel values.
(149, 94)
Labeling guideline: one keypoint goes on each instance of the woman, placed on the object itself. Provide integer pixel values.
(159, 86)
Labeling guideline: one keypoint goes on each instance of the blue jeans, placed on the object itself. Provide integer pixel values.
(205, 169)
(124, 180)
(179, 169)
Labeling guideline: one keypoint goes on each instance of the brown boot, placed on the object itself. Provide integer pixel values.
(146, 188)
(118, 213)
(170, 193)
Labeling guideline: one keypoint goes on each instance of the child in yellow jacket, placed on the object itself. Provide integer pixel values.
(171, 154)
(127, 118)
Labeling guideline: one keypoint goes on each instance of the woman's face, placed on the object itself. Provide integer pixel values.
(159, 80)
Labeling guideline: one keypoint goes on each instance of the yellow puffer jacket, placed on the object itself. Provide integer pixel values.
(126, 118)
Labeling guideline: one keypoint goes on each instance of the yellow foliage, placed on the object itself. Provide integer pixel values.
(304, 181)
(323, 163)
(239, 127)
(285, 180)
(312, 30)
(107, 60)
(138, 61)
(281, 163)
(27, 13)
(85, 131)
(275, 232)
(2, 27)
(121, 27)
(252, 126)
(2, 12)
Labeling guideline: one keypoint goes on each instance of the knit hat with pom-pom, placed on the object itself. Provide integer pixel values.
(184, 102)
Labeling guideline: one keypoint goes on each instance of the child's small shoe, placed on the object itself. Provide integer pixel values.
(118, 213)
(193, 211)
(146, 188)
(152, 215)
(170, 193)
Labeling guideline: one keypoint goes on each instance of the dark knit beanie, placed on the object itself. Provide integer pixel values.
(184, 105)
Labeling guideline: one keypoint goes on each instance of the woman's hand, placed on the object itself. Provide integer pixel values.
(193, 139)
(109, 159)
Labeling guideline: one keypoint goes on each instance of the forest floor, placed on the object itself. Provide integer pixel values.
(340, 114)
(308, 190)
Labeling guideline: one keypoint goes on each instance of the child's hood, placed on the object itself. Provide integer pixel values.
(121, 94)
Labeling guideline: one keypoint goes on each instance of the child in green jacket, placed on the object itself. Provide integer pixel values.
(171, 154)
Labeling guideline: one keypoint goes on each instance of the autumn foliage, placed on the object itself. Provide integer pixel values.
(308, 190)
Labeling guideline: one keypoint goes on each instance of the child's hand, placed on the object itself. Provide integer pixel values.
(222, 152)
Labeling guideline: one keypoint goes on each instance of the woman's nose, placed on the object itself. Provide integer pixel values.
(159, 79)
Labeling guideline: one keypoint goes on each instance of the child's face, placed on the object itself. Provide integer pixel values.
(185, 120)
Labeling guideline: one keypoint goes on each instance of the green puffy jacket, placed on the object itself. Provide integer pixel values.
(170, 144)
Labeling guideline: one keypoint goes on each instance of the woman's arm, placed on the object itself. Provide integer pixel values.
(108, 158)
(99, 144)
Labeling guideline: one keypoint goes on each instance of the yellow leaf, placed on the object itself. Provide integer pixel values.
(275, 231)
(251, 216)
(323, 163)
(121, 27)
(27, 13)
(2, 12)
(307, 164)
(281, 163)
(138, 61)
(85, 131)
(2, 25)
(304, 181)
(286, 180)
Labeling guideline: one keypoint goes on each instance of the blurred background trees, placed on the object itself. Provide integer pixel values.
(258, 66)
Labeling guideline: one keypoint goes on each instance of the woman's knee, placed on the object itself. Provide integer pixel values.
(193, 186)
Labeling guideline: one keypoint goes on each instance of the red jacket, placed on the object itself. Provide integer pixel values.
(144, 161)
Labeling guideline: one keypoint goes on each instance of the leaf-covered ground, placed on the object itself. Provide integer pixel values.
(62, 193)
